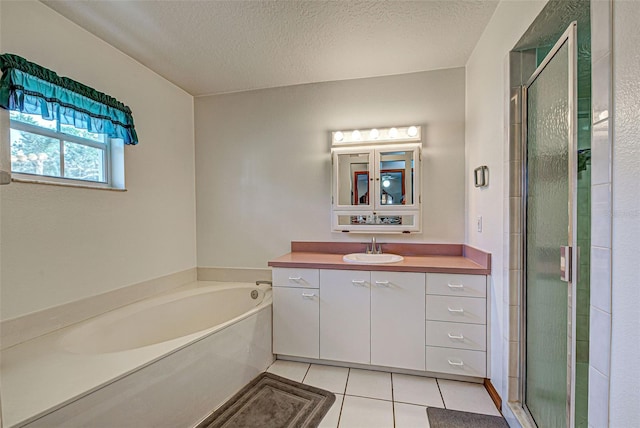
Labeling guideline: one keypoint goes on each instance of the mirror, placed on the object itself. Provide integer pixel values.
(353, 174)
(396, 178)
(393, 175)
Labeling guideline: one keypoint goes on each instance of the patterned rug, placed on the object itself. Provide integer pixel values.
(445, 418)
(271, 401)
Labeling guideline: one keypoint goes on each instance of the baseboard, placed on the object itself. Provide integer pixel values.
(29, 326)
(233, 274)
(493, 393)
(422, 373)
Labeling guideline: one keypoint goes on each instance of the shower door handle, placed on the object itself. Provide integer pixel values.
(565, 263)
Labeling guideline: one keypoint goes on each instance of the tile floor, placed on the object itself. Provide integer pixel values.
(371, 399)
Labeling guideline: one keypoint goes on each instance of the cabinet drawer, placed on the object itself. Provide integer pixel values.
(456, 361)
(457, 285)
(456, 335)
(292, 277)
(456, 309)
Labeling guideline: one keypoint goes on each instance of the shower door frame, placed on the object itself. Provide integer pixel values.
(569, 37)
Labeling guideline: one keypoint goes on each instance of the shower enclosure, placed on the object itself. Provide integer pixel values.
(550, 139)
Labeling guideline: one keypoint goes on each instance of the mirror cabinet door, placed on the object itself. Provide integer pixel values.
(395, 183)
(353, 179)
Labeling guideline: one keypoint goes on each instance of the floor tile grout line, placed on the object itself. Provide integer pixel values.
(440, 390)
(393, 402)
(343, 397)
(306, 373)
(368, 398)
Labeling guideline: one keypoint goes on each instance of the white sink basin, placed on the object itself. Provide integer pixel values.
(372, 259)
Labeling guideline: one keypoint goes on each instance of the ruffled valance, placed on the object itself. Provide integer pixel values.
(29, 88)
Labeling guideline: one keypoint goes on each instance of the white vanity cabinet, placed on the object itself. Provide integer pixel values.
(456, 324)
(345, 315)
(397, 319)
(296, 312)
(417, 321)
(373, 318)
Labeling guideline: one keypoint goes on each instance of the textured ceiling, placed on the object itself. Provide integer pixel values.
(209, 47)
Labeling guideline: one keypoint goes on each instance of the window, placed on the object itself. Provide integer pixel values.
(62, 129)
(48, 148)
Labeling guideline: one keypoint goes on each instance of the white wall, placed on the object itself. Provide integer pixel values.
(263, 166)
(486, 144)
(625, 271)
(61, 244)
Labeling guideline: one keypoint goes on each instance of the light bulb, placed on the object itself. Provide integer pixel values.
(393, 132)
(374, 134)
(356, 135)
(338, 136)
(412, 131)
(386, 183)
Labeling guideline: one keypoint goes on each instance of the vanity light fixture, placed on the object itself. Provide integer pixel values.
(377, 135)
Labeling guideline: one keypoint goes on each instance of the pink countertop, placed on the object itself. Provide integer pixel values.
(439, 258)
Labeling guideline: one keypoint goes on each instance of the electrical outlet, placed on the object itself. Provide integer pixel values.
(479, 223)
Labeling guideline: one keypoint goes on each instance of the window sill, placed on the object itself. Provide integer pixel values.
(60, 184)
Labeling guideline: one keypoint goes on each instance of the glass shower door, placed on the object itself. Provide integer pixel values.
(549, 224)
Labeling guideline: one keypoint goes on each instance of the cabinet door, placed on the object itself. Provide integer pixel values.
(296, 321)
(344, 315)
(397, 319)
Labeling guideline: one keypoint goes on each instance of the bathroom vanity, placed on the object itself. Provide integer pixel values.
(427, 312)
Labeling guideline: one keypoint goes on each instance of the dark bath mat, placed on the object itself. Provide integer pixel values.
(445, 418)
(271, 401)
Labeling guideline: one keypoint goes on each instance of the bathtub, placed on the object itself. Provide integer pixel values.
(163, 362)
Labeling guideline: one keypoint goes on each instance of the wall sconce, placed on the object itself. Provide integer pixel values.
(481, 176)
(376, 135)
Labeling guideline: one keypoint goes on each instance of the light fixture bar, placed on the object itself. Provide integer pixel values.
(376, 135)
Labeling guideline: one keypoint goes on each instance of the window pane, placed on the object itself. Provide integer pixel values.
(34, 154)
(83, 162)
(83, 133)
(32, 119)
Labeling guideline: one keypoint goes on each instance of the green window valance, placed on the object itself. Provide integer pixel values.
(29, 88)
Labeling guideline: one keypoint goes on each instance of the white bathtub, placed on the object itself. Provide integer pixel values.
(166, 361)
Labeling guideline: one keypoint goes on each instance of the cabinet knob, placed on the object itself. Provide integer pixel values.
(453, 286)
(455, 336)
(357, 281)
(459, 311)
(456, 363)
(383, 283)
(295, 278)
(308, 295)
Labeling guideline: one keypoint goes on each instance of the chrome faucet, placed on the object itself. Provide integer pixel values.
(374, 249)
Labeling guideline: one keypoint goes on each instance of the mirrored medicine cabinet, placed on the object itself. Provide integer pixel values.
(376, 184)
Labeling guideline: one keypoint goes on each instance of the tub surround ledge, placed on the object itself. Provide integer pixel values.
(434, 258)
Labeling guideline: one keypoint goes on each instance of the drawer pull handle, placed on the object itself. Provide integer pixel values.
(357, 281)
(383, 283)
(456, 363)
(455, 310)
(455, 285)
(295, 278)
(308, 295)
(453, 336)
